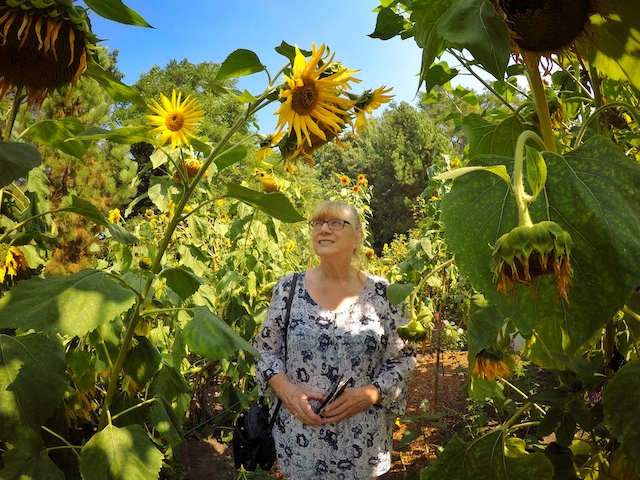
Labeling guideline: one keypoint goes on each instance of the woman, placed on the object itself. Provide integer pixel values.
(341, 326)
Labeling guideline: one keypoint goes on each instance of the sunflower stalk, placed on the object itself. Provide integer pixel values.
(13, 113)
(542, 109)
(522, 197)
(176, 219)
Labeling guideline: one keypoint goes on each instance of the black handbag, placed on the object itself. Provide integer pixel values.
(253, 443)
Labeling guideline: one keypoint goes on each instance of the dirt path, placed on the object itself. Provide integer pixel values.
(201, 459)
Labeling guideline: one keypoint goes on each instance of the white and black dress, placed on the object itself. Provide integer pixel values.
(360, 342)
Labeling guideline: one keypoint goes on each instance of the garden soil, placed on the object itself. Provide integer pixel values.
(207, 459)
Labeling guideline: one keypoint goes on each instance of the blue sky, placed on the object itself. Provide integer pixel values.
(209, 30)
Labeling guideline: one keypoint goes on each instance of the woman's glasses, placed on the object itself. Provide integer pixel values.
(333, 224)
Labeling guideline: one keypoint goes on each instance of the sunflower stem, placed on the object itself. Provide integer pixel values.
(522, 197)
(13, 114)
(176, 219)
(542, 109)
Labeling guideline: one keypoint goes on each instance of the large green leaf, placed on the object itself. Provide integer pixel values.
(16, 159)
(621, 402)
(210, 336)
(238, 64)
(425, 17)
(617, 42)
(476, 26)
(120, 454)
(124, 135)
(274, 204)
(492, 138)
(594, 194)
(388, 24)
(59, 133)
(32, 385)
(231, 157)
(165, 421)
(143, 361)
(113, 86)
(485, 459)
(66, 305)
(86, 209)
(182, 281)
(22, 466)
(117, 11)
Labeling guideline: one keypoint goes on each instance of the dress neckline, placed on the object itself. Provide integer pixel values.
(341, 310)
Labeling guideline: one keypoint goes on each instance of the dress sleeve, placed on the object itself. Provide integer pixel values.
(399, 360)
(270, 340)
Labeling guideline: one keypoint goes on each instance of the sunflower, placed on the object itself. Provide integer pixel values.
(114, 216)
(490, 364)
(267, 145)
(176, 119)
(541, 28)
(43, 46)
(13, 261)
(355, 188)
(188, 169)
(344, 180)
(368, 102)
(314, 93)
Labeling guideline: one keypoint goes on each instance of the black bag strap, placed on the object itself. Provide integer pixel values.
(292, 292)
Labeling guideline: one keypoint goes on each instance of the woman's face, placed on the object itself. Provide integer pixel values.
(331, 242)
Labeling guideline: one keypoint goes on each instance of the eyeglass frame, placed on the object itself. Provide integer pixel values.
(313, 224)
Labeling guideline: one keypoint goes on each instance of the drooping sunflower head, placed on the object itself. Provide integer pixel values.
(491, 364)
(314, 94)
(44, 45)
(541, 28)
(175, 119)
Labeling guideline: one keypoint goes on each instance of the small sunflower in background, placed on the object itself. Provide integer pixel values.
(44, 46)
(490, 364)
(369, 101)
(175, 119)
(345, 180)
(13, 262)
(313, 93)
(188, 169)
(267, 144)
(114, 216)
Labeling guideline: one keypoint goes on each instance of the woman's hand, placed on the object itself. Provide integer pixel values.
(296, 399)
(352, 401)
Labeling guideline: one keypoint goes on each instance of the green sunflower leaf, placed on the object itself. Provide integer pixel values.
(19, 465)
(86, 209)
(16, 160)
(142, 361)
(593, 193)
(398, 292)
(209, 336)
(484, 459)
(621, 402)
(32, 385)
(121, 454)
(66, 305)
(165, 421)
(117, 11)
(274, 204)
(182, 281)
(239, 63)
(113, 86)
(388, 24)
(617, 42)
(59, 134)
(475, 24)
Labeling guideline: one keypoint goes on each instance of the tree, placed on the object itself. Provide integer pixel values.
(395, 153)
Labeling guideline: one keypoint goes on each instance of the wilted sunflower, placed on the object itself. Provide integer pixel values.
(368, 102)
(314, 93)
(43, 46)
(176, 119)
(490, 364)
(541, 28)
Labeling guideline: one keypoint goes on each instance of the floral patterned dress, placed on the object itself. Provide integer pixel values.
(359, 342)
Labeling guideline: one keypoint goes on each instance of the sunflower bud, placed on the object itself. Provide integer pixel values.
(413, 331)
(527, 252)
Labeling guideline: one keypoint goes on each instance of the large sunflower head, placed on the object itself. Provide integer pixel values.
(541, 28)
(43, 46)
(175, 119)
(314, 94)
